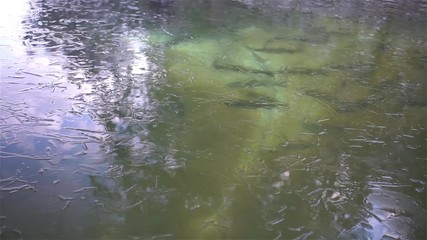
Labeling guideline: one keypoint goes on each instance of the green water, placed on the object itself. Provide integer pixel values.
(213, 119)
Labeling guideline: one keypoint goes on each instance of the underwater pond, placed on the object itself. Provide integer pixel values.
(213, 119)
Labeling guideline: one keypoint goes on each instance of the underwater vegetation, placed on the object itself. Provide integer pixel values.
(259, 94)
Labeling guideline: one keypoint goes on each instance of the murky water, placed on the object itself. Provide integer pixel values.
(213, 119)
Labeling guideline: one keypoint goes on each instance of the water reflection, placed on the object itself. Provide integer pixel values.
(114, 127)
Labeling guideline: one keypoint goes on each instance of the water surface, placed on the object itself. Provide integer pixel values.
(213, 119)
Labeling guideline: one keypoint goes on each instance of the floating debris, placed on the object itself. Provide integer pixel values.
(64, 198)
(84, 189)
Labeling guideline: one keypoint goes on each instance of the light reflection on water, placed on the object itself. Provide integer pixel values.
(108, 130)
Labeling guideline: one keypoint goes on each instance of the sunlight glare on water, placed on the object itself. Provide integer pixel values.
(11, 15)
